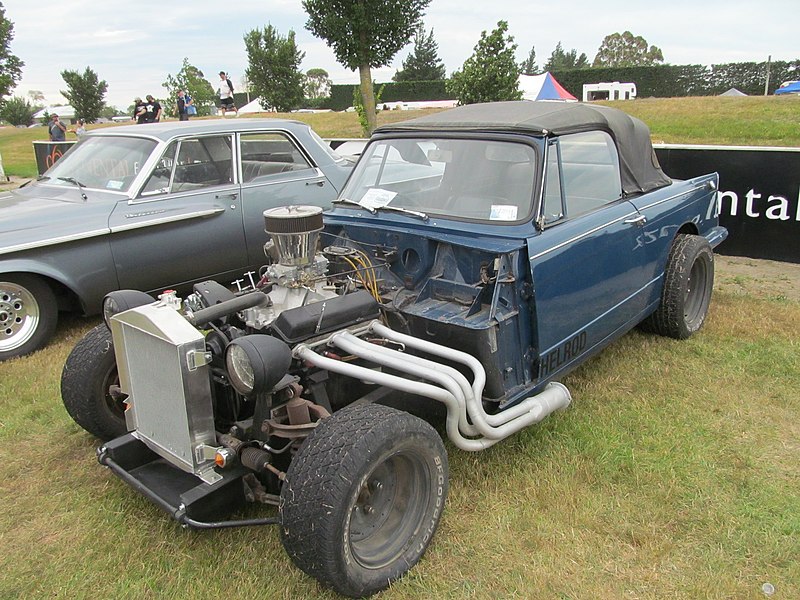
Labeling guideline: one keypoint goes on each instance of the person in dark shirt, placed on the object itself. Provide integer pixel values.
(138, 111)
(183, 115)
(57, 129)
(152, 110)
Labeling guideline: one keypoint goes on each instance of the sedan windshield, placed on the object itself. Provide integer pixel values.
(465, 179)
(102, 162)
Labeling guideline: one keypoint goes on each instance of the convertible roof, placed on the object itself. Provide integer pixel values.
(638, 163)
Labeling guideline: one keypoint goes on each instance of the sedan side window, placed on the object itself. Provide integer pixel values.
(158, 182)
(203, 162)
(583, 168)
(267, 154)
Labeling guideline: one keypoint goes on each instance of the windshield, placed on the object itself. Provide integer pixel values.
(102, 162)
(465, 179)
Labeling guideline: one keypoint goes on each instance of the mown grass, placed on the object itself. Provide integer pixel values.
(673, 474)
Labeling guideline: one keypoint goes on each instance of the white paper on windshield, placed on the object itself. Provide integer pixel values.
(114, 185)
(503, 212)
(375, 198)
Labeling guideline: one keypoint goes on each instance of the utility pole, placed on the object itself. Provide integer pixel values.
(766, 85)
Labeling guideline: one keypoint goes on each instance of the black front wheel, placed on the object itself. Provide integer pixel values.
(87, 382)
(688, 283)
(363, 497)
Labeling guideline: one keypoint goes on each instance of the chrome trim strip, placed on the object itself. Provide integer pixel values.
(318, 174)
(53, 241)
(171, 219)
(582, 235)
(657, 202)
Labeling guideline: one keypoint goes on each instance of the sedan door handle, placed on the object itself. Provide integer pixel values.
(232, 196)
(639, 220)
(319, 183)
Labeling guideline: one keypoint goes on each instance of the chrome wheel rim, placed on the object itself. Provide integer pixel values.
(19, 316)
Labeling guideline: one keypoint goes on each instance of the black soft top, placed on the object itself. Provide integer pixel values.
(639, 166)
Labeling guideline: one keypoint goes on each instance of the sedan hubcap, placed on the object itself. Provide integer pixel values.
(19, 316)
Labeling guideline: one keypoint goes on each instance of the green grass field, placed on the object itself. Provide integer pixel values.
(674, 473)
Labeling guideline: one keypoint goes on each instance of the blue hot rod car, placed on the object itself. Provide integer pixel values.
(472, 259)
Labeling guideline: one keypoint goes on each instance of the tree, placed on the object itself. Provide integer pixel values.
(529, 66)
(274, 68)
(10, 65)
(17, 111)
(365, 34)
(318, 84)
(191, 80)
(36, 96)
(423, 64)
(85, 93)
(627, 50)
(565, 61)
(491, 73)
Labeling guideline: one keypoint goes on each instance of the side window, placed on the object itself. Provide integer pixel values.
(158, 182)
(266, 154)
(203, 162)
(589, 169)
(191, 164)
(553, 206)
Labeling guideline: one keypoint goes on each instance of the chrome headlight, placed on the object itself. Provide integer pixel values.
(255, 363)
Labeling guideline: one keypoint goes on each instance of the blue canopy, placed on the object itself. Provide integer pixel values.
(791, 88)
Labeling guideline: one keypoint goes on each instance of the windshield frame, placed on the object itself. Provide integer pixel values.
(533, 165)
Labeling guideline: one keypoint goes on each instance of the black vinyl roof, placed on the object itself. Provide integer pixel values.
(639, 167)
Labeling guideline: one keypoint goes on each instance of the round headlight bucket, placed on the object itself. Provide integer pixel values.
(255, 363)
(122, 300)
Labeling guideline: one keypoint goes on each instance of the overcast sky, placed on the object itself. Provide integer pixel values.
(133, 46)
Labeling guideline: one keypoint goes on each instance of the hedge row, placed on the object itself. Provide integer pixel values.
(663, 81)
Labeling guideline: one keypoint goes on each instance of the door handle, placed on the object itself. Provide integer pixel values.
(232, 196)
(639, 220)
(319, 183)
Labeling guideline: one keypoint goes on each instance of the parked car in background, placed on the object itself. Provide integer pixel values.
(146, 207)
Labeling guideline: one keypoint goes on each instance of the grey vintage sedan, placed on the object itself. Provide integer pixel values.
(148, 207)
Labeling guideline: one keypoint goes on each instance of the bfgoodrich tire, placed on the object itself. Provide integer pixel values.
(688, 283)
(89, 373)
(363, 497)
(28, 314)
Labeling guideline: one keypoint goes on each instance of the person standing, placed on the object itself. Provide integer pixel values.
(226, 94)
(152, 110)
(183, 115)
(80, 128)
(57, 129)
(139, 112)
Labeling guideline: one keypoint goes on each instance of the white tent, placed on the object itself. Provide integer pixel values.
(254, 106)
(733, 92)
(63, 112)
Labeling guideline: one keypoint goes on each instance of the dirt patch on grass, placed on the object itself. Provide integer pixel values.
(756, 277)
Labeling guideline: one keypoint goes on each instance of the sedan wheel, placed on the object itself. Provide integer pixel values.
(28, 314)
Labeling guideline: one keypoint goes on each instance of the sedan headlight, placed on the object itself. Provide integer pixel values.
(122, 300)
(255, 363)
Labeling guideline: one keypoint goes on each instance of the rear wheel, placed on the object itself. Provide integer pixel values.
(363, 497)
(688, 282)
(90, 386)
(28, 314)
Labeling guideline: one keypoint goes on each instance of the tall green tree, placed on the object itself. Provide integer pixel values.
(365, 34)
(274, 68)
(529, 66)
(627, 50)
(17, 111)
(10, 65)
(318, 84)
(491, 73)
(565, 61)
(191, 80)
(423, 64)
(85, 92)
